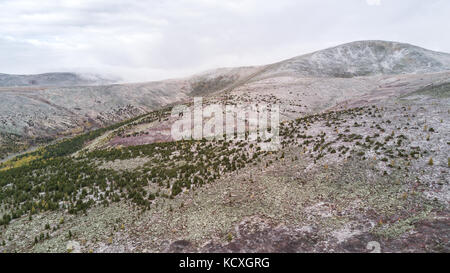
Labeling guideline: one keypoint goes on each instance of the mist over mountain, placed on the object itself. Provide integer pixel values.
(53, 79)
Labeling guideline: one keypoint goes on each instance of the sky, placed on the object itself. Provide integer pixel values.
(160, 39)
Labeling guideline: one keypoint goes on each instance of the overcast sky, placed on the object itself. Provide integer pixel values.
(152, 40)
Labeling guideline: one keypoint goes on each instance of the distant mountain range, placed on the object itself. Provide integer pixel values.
(53, 79)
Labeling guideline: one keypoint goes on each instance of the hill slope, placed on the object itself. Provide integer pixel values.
(361, 160)
(325, 78)
(364, 58)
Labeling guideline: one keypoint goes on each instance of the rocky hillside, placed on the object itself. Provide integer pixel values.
(362, 164)
(371, 171)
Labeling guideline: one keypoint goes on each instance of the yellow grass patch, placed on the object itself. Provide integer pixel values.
(14, 163)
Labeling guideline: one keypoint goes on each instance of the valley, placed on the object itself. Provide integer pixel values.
(363, 157)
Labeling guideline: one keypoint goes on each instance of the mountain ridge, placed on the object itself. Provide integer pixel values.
(365, 58)
(53, 79)
(359, 159)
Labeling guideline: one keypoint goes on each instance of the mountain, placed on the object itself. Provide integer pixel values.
(53, 79)
(364, 58)
(352, 60)
(36, 109)
(362, 162)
